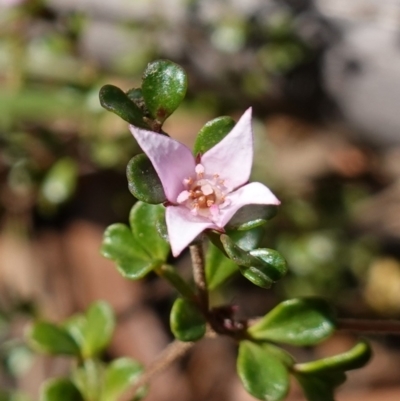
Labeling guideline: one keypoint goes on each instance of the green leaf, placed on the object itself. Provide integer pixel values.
(49, 338)
(218, 266)
(164, 86)
(187, 322)
(120, 374)
(143, 219)
(88, 378)
(140, 249)
(143, 181)
(251, 216)
(59, 389)
(93, 331)
(299, 321)
(115, 100)
(262, 267)
(132, 260)
(262, 372)
(212, 133)
(59, 183)
(320, 387)
(355, 358)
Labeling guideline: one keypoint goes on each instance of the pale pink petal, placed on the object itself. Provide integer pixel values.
(172, 160)
(254, 193)
(232, 158)
(183, 227)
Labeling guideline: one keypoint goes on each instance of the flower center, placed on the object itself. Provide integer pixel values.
(205, 194)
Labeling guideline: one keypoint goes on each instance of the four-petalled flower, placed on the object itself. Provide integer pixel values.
(205, 192)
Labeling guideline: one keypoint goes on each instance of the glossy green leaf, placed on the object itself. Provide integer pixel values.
(88, 378)
(143, 219)
(59, 389)
(299, 321)
(212, 133)
(219, 267)
(262, 372)
(132, 260)
(93, 330)
(187, 322)
(251, 216)
(355, 358)
(49, 338)
(120, 374)
(164, 86)
(59, 183)
(262, 267)
(320, 387)
(143, 181)
(115, 100)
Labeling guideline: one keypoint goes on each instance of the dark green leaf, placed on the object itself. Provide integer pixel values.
(320, 387)
(212, 133)
(49, 338)
(300, 321)
(132, 260)
(143, 181)
(218, 266)
(114, 99)
(251, 216)
(143, 219)
(164, 86)
(59, 389)
(356, 358)
(262, 372)
(187, 322)
(119, 376)
(261, 266)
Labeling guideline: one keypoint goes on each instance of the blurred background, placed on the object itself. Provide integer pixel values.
(323, 78)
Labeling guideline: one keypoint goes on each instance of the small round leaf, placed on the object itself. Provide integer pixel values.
(115, 100)
(143, 220)
(187, 322)
(212, 133)
(299, 321)
(93, 330)
(59, 389)
(164, 86)
(262, 372)
(51, 339)
(119, 244)
(119, 376)
(143, 181)
(262, 267)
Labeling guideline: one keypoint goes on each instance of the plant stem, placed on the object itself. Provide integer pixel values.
(370, 326)
(199, 274)
(170, 354)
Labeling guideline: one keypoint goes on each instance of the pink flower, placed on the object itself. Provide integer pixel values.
(206, 193)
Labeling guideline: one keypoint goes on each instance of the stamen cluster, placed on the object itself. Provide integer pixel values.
(205, 194)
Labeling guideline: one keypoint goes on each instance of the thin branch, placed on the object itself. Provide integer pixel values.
(170, 354)
(199, 274)
(370, 326)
